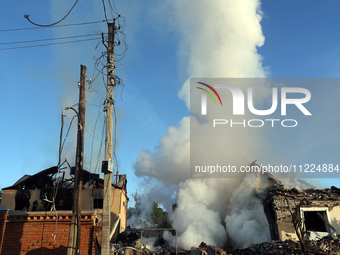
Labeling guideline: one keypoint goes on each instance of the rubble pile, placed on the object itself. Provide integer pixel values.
(130, 244)
(129, 237)
(127, 242)
(266, 248)
(276, 247)
(310, 194)
(327, 245)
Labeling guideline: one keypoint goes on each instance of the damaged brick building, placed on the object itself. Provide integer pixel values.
(310, 213)
(27, 223)
(305, 221)
(316, 212)
(298, 215)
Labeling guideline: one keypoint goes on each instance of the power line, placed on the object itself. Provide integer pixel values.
(104, 10)
(94, 136)
(65, 25)
(49, 39)
(48, 44)
(27, 17)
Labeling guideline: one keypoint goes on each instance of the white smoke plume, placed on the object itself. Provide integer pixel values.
(140, 215)
(161, 243)
(245, 218)
(170, 239)
(194, 218)
(149, 243)
(218, 39)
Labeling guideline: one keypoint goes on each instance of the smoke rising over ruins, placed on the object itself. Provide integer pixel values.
(218, 39)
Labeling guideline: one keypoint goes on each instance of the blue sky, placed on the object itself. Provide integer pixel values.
(301, 40)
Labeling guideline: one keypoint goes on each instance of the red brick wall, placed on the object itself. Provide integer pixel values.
(43, 233)
(3, 218)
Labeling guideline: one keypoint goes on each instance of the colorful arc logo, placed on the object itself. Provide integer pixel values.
(213, 90)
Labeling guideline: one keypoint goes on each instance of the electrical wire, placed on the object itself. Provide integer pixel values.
(102, 139)
(55, 189)
(120, 37)
(100, 148)
(65, 25)
(113, 10)
(27, 17)
(93, 137)
(49, 39)
(98, 61)
(115, 136)
(100, 69)
(103, 77)
(122, 54)
(61, 146)
(68, 131)
(104, 10)
(48, 44)
(92, 80)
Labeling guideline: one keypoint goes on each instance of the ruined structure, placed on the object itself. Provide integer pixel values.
(310, 214)
(316, 213)
(27, 210)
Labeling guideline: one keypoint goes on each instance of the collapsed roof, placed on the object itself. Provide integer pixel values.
(49, 177)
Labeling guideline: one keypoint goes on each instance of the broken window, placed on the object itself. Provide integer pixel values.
(97, 203)
(313, 222)
(316, 222)
(22, 199)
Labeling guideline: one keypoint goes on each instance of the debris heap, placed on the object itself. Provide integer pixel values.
(327, 245)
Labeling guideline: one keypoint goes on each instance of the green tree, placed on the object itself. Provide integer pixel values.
(159, 216)
(152, 217)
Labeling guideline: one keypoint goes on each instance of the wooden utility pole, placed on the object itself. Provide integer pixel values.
(73, 246)
(106, 227)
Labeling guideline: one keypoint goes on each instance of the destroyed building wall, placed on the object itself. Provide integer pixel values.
(280, 204)
(119, 210)
(8, 198)
(24, 200)
(335, 218)
(32, 193)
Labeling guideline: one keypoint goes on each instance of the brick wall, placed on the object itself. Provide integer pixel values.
(44, 232)
(3, 219)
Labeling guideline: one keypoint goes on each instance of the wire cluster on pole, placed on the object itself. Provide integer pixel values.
(100, 65)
